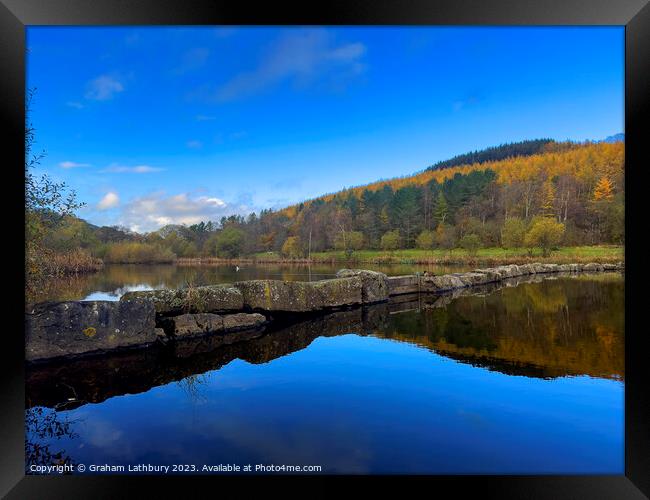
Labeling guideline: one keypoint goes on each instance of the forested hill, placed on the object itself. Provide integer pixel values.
(570, 192)
(495, 153)
(580, 185)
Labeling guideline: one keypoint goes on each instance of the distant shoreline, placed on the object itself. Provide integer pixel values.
(492, 256)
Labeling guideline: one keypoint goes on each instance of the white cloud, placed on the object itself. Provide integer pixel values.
(103, 88)
(138, 169)
(204, 118)
(110, 200)
(151, 212)
(74, 104)
(304, 57)
(194, 144)
(72, 164)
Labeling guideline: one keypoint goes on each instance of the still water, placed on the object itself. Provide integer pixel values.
(525, 379)
(114, 280)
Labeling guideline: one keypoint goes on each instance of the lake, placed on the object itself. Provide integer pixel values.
(111, 282)
(525, 378)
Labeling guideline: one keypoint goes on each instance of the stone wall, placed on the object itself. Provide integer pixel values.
(233, 311)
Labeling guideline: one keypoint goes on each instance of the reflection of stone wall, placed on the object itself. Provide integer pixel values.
(458, 329)
(93, 379)
(140, 318)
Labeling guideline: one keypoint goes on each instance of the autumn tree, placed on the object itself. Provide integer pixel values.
(47, 205)
(471, 243)
(349, 242)
(445, 236)
(425, 240)
(292, 247)
(513, 233)
(544, 232)
(604, 190)
(390, 240)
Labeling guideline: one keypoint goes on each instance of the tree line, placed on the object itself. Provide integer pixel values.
(565, 194)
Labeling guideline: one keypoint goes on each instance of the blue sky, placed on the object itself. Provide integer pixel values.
(157, 125)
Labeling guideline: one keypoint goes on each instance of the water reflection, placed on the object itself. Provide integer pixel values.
(521, 378)
(45, 429)
(114, 280)
(526, 326)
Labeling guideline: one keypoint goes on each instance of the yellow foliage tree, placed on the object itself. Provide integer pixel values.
(604, 189)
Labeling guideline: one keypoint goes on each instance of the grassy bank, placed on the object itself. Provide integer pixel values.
(491, 256)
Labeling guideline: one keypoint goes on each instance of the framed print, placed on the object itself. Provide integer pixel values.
(362, 241)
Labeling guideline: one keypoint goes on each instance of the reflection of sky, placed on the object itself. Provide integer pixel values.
(117, 293)
(363, 404)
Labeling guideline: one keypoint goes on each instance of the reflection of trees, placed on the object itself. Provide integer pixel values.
(566, 326)
(42, 426)
(432, 327)
(192, 386)
(119, 276)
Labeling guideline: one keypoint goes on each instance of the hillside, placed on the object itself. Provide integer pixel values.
(565, 194)
(579, 185)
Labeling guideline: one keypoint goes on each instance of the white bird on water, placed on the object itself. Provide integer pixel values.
(237, 269)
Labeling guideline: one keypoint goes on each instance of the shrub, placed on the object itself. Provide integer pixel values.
(133, 252)
(349, 241)
(292, 248)
(425, 240)
(445, 236)
(513, 233)
(230, 243)
(390, 240)
(470, 242)
(544, 232)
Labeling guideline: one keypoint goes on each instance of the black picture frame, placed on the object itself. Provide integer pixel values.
(633, 14)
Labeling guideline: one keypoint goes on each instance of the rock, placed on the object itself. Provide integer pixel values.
(299, 296)
(275, 295)
(339, 292)
(539, 268)
(242, 321)
(569, 268)
(374, 285)
(592, 266)
(55, 329)
(511, 271)
(193, 325)
(200, 299)
(526, 269)
(441, 283)
(473, 279)
(490, 275)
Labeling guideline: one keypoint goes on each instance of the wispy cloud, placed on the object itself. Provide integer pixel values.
(151, 212)
(137, 169)
(103, 87)
(194, 144)
(108, 201)
(74, 104)
(205, 118)
(72, 164)
(304, 58)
